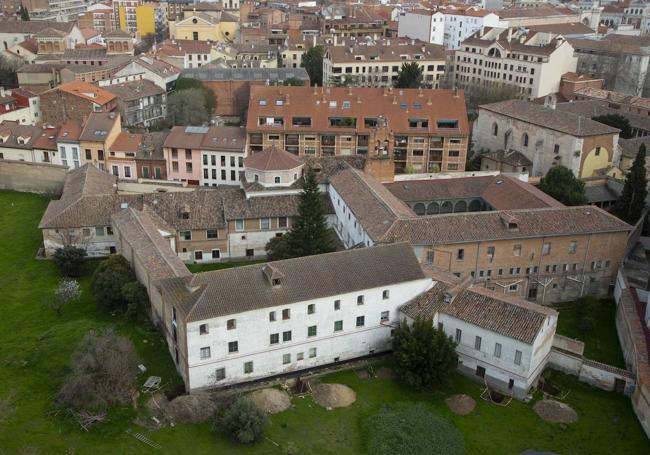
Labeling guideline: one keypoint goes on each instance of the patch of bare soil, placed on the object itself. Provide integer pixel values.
(271, 400)
(195, 408)
(555, 411)
(461, 404)
(332, 396)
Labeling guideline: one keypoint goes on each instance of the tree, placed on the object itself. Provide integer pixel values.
(409, 76)
(103, 372)
(8, 74)
(209, 98)
(293, 82)
(561, 184)
(136, 298)
(68, 291)
(145, 44)
(616, 121)
(631, 204)
(107, 283)
(309, 233)
(312, 61)
(423, 355)
(70, 260)
(187, 107)
(24, 14)
(243, 421)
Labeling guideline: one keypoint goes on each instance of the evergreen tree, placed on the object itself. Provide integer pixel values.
(309, 233)
(632, 200)
(617, 121)
(312, 61)
(410, 76)
(561, 184)
(24, 14)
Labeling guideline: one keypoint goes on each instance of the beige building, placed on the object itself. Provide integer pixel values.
(99, 131)
(217, 26)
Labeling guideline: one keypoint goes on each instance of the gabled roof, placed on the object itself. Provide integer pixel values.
(219, 293)
(98, 125)
(86, 91)
(272, 159)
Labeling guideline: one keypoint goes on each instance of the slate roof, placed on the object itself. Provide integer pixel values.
(219, 293)
(205, 208)
(245, 74)
(272, 159)
(236, 206)
(479, 226)
(97, 126)
(372, 204)
(536, 114)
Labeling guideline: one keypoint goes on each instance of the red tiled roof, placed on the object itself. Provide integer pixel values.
(273, 159)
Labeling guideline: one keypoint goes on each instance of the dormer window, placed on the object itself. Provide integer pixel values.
(274, 277)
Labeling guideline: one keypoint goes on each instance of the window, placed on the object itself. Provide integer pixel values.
(286, 336)
(203, 329)
(556, 149)
(460, 254)
(490, 252)
(312, 353)
(338, 326)
(361, 321)
(385, 294)
(274, 338)
(477, 343)
(248, 367)
(546, 249)
(497, 350)
(311, 308)
(205, 353)
(524, 140)
(219, 374)
(517, 357)
(516, 250)
(185, 235)
(311, 331)
(99, 231)
(286, 358)
(198, 255)
(276, 179)
(212, 234)
(459, 335)
(286, 314)
(337, 305)
(573, 247)
(231, 324)
(360, 300)
(271, 316)
(265, 224)
(233, 346)
(239, 225)
(300, 356)
(513, 287)
(282, 222)
(495, 129)
(384, 316)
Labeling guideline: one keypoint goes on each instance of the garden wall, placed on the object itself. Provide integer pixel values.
(41, 178)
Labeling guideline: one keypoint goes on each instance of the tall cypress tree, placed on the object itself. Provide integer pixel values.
(632, 200)
(24, 14)
(309, 233)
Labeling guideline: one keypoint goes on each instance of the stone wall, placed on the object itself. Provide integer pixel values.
(39, 178)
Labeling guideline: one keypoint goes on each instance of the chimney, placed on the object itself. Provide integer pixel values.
(455, 92)
(509, 34)
(349, 90)
(315, 89)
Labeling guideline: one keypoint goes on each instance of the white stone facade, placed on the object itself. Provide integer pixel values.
(221, 168)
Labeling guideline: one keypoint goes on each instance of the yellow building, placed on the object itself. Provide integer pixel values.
(199, 26)
(145, 19)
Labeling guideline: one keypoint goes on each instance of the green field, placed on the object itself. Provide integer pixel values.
(194, 268)
(35, 346)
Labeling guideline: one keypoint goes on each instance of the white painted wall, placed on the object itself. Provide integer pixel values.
(213, 169)
(349, 230)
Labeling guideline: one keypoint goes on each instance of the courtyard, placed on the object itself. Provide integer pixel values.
(35, 345)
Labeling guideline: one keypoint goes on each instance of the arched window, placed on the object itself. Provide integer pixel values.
(495, 129)
(475, 206)
(461, 206)
(433, 209)
(419, 208)
(447, 207)
(524, 140)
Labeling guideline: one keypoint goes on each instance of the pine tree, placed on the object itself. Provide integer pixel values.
(309, 233)
(632, 201)
(410, 76)
(24, 14)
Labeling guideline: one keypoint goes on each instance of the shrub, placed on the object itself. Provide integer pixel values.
(136, 298)
(409, 428)
(243, 421)
(70, 260)
(423, 356)
(107, 283)
(104, 369)
(67, 292)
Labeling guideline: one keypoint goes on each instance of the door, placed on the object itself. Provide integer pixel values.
(619, 385)
(532, 293)
(480, 372)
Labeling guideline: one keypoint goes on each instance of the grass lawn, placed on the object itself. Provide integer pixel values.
(601, 344)
(35, 346)
(194, 268)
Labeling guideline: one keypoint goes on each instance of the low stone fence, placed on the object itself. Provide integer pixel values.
(41, 178)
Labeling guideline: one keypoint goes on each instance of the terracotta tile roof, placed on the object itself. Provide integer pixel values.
(511, 157)
(98, 125)
(87, 91)
(570, 28)
(610, 45)
(70, 131)
(11, 132)
(182, 137)
(272, 159)
(228, 138)
(134, 90)
(126, 142)
(546, 117)
(236, 206)
(372, 204)
(480, 226)
(47, 139)
(86, 53)
(319, 103)
(596, 107)
(614, 97)
(205, 208)
(518, 13)
(33, 27)
(89, 33)
(51, 33)
(30, 45)
(182, 47)
(219, 293)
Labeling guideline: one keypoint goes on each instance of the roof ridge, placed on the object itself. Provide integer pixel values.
(357, 173)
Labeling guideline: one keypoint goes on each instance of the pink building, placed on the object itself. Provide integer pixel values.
(182, 150)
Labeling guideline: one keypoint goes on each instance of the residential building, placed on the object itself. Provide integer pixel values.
(141, 103)
(149, 159)
(633, 15)
(67, 142)
(121, 157)
(423, 130)
(19, 105)
(186, 53)
(352, 20)
(590, 108)
(99, 16)
(75, 101)
(175, 8)
(530, 63)
(615, 100)
(222, 155)
(182, 151)
(543, 15)
(17, 141)
(151, 19)
(547, 137)
(53, 10)
(125, 15)
(98, 133)
(377, 63)
(161, 73)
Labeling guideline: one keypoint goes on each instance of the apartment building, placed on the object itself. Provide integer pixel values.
(124, 12)
(356, 20)
(99, 16)
(98, 133)
(75, 101)
(54, 10)
(532, 63)
(425, 130)
(377, 63)
(121, 157)
(141, 103)
(67, 142)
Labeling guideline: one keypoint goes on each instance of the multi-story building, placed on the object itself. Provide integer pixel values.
(547, 137)
(54, 10)
(530, 63)
(625, 17)
(352, 20)
(75, 101)
(377, 63)
(182, 151)
(67, 142)
(125, 16)
(19, 105)
(98, 133)
(121, 157)
(222, 156)
(217, 26)
(151, 19)
(175, 8)
(99, 16)
(423, 130)
(141, 103)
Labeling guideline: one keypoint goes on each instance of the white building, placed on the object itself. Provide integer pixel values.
(501, 339)
(344, 307)
(222, 156)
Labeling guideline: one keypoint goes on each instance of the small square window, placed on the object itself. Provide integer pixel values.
(337, 305)
(272, 316)
(286, 358)
(205, 353)
(384, 316)
(385, 294)
(360, 300)
(338, 326)
(311, 308)
(274, 338)
(233, 346)
(517, 357)
(203, 329)
(312, 352)
(311, 331)
(286, 336)
(300, 356)
(231, 324)
(248, 367)
(361, 321)
(220, 374)
(286, 314)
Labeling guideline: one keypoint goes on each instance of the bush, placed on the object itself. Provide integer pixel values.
(70, 260)
(409, 428)
(136, 298)
(67, 292)
(423, 356)
(104, 369)
(107, 283)
(243, 421)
